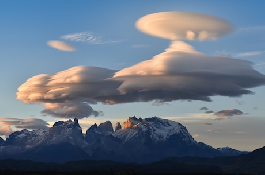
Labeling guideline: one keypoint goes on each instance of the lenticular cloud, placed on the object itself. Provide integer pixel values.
(60, 45)
(183, 26)
(69, 93)
(178, 73)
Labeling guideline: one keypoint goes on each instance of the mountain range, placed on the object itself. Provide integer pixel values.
(138, 140)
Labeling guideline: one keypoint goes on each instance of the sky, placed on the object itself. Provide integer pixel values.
(198, 63)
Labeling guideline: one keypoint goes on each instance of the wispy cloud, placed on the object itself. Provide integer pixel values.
(240, 102)
(160, 103)
(214, 130)
(248, 54)
(225, 53)
(204, 116)
(260, 64)
(88, 37)
(226, 114)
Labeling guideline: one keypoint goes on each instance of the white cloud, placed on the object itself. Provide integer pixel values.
(248, 54)
(69, 93)
(183, 26)
(89, 38)
(60, 45)
(183, 73)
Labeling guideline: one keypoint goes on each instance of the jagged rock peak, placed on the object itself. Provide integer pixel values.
(25, 137)
(102, 128)
(75, 120)
(92, 127)
(131, 122)
(1, 141)
(69, 123)
(159, 129)
(106, 127)
(118, 126)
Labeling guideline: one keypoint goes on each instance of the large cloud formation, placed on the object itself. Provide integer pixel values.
(178, 73)
(70, 93)
(183, 26)
(183, 73)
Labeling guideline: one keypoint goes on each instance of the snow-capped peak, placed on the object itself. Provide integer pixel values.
(131, 122)
(159, 129)
(63, 131)
(26, 137)
(67, 124)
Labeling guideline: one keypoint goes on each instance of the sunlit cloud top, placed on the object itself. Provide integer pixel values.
(60, 45)
(183, 26)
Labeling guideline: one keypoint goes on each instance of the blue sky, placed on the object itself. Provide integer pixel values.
(26, 26)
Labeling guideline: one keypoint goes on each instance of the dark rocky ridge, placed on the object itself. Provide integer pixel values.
(1, 141)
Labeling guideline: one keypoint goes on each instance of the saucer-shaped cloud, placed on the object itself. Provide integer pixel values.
(60, 45)
(179, 73)
(183, 73)
(183, 26)
(69, 93)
